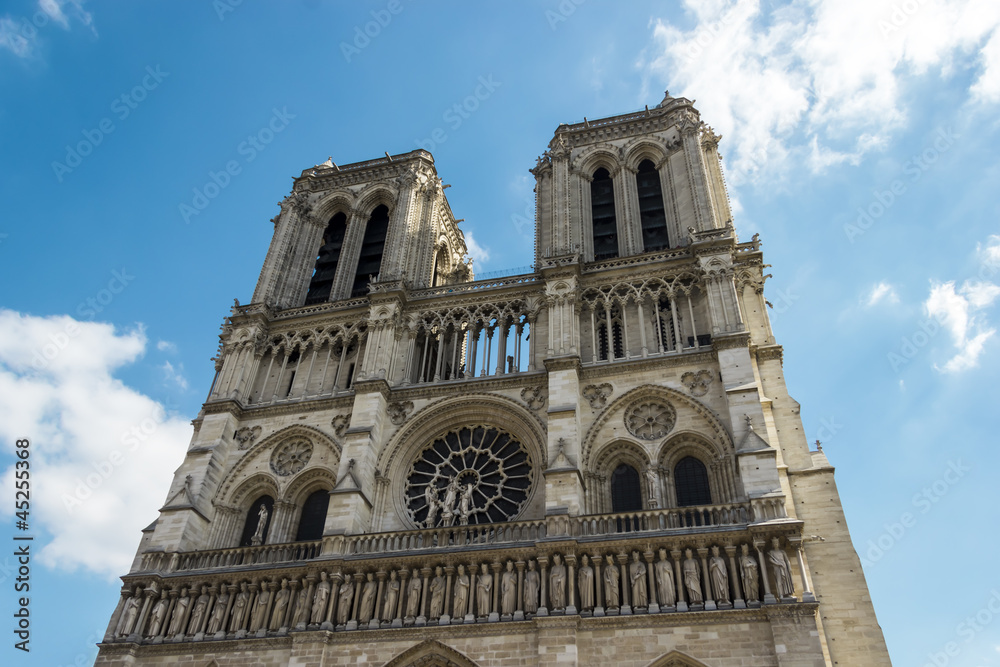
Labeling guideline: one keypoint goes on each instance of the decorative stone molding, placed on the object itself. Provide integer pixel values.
(399, 411)
(697, 383)
(597, 394)
(650, 420)
(534, 397)
(291, 457)
(245, 436)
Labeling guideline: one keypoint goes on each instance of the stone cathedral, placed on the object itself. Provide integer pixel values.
(594, 463)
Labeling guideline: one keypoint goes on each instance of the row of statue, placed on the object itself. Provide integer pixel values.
(603, 585)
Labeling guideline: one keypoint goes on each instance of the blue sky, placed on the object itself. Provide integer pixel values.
(860, 140)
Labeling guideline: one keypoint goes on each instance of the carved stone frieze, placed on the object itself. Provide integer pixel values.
(534, 397)
(398, 411)
(697, 383)
(597, 394)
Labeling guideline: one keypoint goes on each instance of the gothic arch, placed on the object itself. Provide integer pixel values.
(430, 653)
(597, 156)
(606, 459)
(251, 488)
(676, 659)
(643, 148)
(313, 478)
(373, 196)
(723, 477)
(437, 419)
(335, 201)
(719, 432)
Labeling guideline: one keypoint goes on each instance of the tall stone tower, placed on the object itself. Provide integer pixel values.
(596, 462)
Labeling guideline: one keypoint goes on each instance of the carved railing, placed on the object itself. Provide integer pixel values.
(234, 557)
(446, 537)
(704, 516)
(473, 286)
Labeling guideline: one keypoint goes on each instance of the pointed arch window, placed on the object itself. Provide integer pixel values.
(602, 210)
(326, 261)
(626, 493)
(313, 517)
(691, 480)
(252, 528)
(370, 259)
(651, 213)
(617, 346)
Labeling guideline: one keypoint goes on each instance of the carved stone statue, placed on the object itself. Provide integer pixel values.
(484, 589)
(433, 505)
(320, 598)
(258, 534)
(448, 506)
(461, 599)
(531, 585)
(198, 613)
(367, 609)
(585, 582)
(391, 597)
(346, 597)
(652, 483)
(612, 593)
(508, 590)
(692, 578)
(782, 570)
(720, 579)
(300, 614)
(217, 620)
(557, 583)
(665, 580)
(436, 589)
(180, 608)
(158, 615)
(131, 613)
(637, 576)
(239, 608)
(280, 606)
(749, 573)
(465, 505)
(413, 594)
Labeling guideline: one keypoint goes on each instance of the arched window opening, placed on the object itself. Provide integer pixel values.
(258, 522)
(615, 333)
(370, 259)
(326, 261)
(666, 333)
(602, 209)
(691, 480)
(626, 493)
(291, 364)
(651, 214)
(313, 516)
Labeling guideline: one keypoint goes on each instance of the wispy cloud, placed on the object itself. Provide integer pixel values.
(174, 375)
(166, 346)
(477, 252)
(818, 83)
(959, 311)
(881, 292)
(18, 34)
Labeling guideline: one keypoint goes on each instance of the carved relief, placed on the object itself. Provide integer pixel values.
(340, 424)
(291, 457)
(245, 436)
(534, 397)
(399, 411)
(650, 420)
(697, 383)
(597, 394)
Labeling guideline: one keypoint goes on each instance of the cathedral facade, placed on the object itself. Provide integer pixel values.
(597, 462)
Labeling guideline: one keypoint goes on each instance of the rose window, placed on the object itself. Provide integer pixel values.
(291, 457)
(650, 420)
(475, 474)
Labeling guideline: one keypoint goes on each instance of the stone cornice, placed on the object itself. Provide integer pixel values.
(563, 363)
(246, 413)
(593, 372)
(769, 352)
(474, 385)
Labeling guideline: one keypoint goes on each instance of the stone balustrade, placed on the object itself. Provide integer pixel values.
(235, 557)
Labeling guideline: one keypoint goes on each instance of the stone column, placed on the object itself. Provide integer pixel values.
(654, 607)
(519, 606)
(768, 596)
(675, 555)
(571, 584)
(625, 589)
(426, 573)
(706, 579)
(807, 594)
(598, 563)
(352, 622)
(734, 579)
(543, 602)
(495, 609)
(448, 605)
(149, 596)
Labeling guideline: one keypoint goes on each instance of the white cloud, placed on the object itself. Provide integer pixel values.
(957, 311)
(477, 252)
(174, 376)
(18, 33)
(883, 291)
(12, 38)
(818, 82)
(101, 452)
(166, 346)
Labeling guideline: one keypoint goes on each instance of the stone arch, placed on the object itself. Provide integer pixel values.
(719, 464)
(430, 653)
(311, 479)
(606, 459)
(676, 659)
(373, 196)
(643, 148)
(719, 432)
(234, 476)
(251, 488)
(597, 156)
(334, 202)
(437, 419)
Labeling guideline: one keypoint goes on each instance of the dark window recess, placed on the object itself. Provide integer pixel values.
(293, 359)
(602, 209)
(326, 261)
(313, 516)
(253, 516)
(616, 336)
(626, 494)
(703, 339)
(651, 213)
(665, 325)
(691, 480)
(370, 259)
